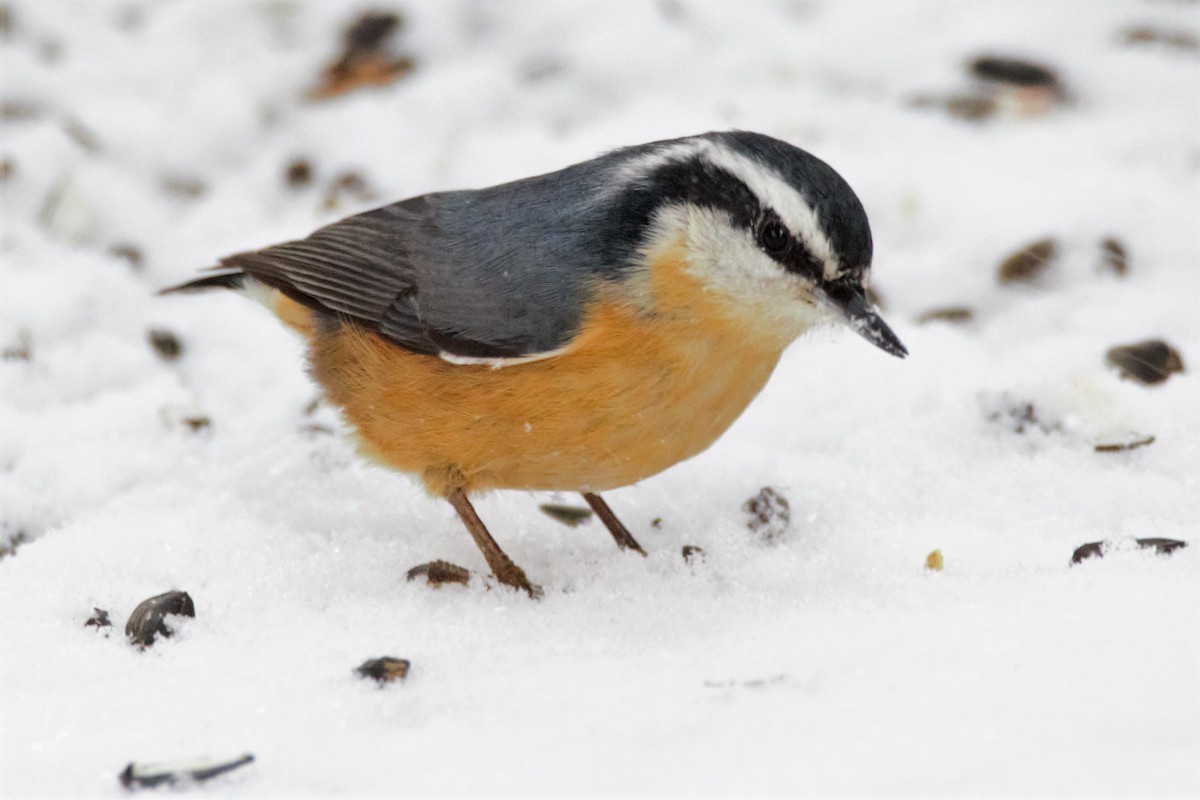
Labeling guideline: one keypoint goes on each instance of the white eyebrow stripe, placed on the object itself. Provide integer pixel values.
(777, 194)
(770, 188)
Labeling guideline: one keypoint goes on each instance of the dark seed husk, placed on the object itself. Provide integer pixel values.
(1161, 546)
(198, 423)
(1029, 263)
(1017, 72)
(768, 514)
(693, 553)
(148, 620)
(1148, 362)
(1114, 257)
(385, 670)
(1086, 551)
(144, 776)
(369, 32)
(955, 315)
(99, 619)
(299, 173)
(1097, 549)
(571, 516)
(1118, 447)
(129, 252)
(436, 573)
(165, 343)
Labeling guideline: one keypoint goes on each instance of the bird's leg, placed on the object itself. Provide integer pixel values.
(501, 565)
(620, 533)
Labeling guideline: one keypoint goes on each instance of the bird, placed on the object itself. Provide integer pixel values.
(579, 330)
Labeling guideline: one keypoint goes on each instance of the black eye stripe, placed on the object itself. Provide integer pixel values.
(699, 182)
(774, 237)
(792, 254)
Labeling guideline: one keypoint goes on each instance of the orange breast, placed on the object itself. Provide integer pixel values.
(642, 387)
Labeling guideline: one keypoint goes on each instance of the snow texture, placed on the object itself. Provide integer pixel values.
(826, 661)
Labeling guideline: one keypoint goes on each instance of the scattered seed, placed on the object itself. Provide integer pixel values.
(384, 670)
(347, 183)
(50, 50)
(1098, 549)
(656, 523)
(10, 547)
(1178, 39)
(1148, 362)
(934, 561)
(81, 134)
(1114, 257)
(437, 573)
(571, 516)
(129, 252)
(972, 108)
(187, 187)
(1029, 263)
(364, 60)
(19, 110)
(1164, 547)
(7, 168)
(197, 424)
(99, 619)
(1016, 72)
(369, 32)
(693, 554)
(165, 343)
(22, 350)
(753, 683)
(148, 620)
(144, 776)
(299, 173)
(1018, 415)
(1086, 551)
(1117, 447)
(768, 514)
(955, 315)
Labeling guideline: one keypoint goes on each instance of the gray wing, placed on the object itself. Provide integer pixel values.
(498, 273)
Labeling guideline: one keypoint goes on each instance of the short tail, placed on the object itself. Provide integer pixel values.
(222, 279)
(293, 314)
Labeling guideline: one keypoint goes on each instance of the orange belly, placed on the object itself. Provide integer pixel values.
(637, 391)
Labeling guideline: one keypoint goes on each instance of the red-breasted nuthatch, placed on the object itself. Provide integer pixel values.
(580, 330)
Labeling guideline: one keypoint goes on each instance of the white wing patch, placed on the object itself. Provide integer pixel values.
(497, 363)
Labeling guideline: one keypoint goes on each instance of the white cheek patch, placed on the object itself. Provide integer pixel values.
(728, 260)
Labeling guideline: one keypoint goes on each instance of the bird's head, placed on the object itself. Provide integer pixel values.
(769, 226)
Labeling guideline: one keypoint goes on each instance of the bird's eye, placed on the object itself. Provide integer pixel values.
(774, 238)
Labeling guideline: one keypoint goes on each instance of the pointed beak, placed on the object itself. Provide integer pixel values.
(851, 305)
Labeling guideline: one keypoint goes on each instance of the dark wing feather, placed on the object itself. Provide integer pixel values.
(499, 273)
(370, 269)
(357, 269)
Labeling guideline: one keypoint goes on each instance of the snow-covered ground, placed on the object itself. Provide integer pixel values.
(828, 661)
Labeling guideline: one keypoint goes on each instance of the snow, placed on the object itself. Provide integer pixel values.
(828, 661)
